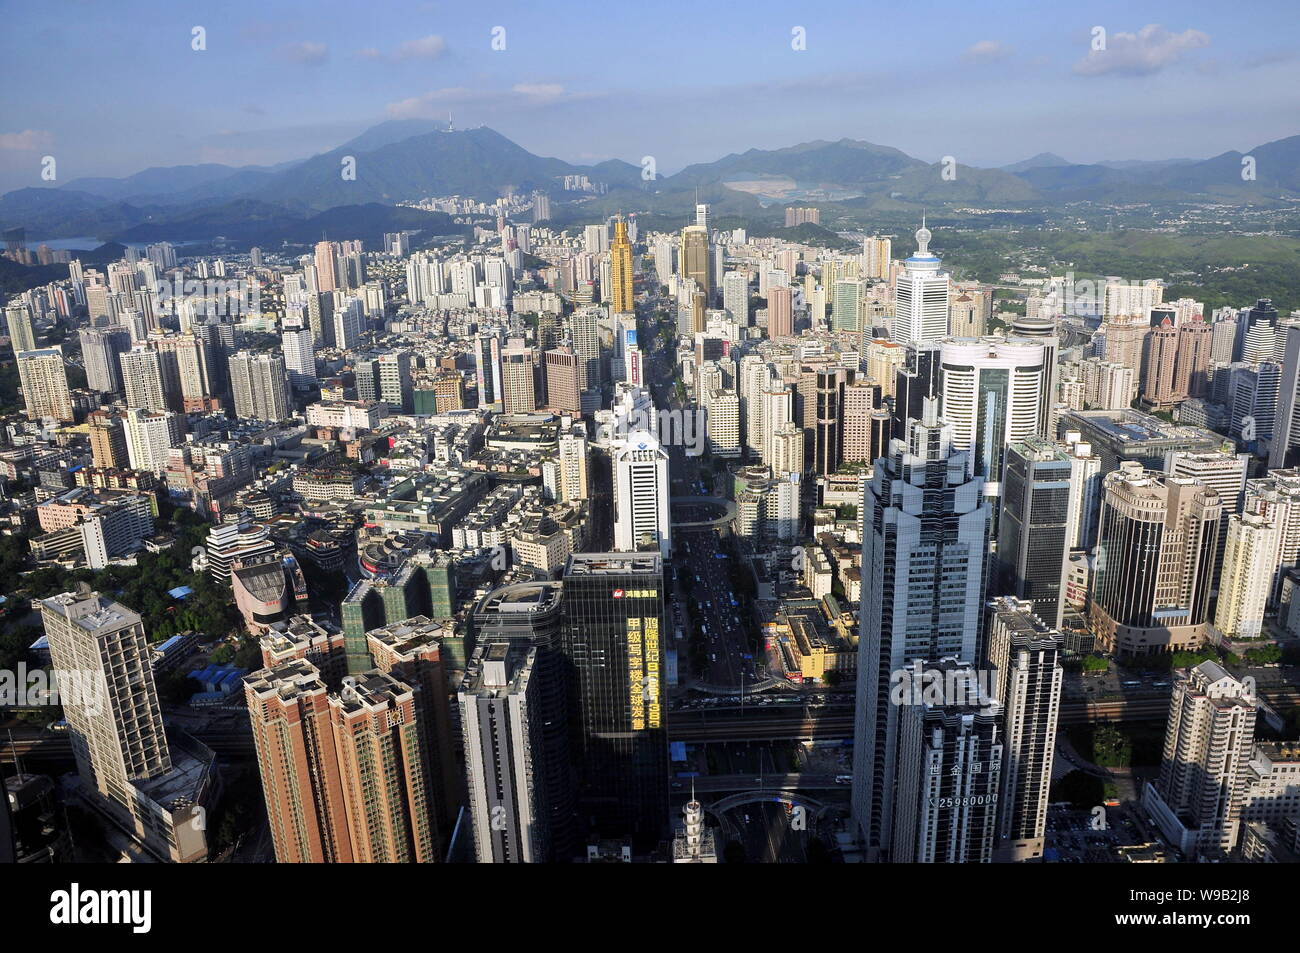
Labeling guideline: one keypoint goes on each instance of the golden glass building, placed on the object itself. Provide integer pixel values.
(620, 270)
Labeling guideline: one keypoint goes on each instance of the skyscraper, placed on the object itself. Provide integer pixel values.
(18, 320)
(620, 271)
(696, 262)
(925, 528)
(1155, 559)
(1025, 653)
(125, 763)
(1035, 517)
(921, 296)
(780, 313)
(951, 755)
(101, 350)
(612, 639)
(520, 380)
(260, 385)
(1196, 802)
(641, 495)
(735, 298)
(45, 384)
(341, 773)
(1246, 583)
(151, 378)
(501, 723)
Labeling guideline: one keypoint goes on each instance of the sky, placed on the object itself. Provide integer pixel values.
(113, 88)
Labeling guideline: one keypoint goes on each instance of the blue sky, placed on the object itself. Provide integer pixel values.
(112, 88)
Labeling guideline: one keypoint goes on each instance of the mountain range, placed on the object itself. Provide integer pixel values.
(404, 160)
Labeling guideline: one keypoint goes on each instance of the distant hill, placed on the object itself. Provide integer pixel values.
(1040, 161)
(403, 160)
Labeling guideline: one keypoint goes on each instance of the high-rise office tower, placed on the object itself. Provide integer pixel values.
(1025, 653)
(1035, 518)
(1155, 560)
(1249, 562)
(951, 755)
(519, 380)
(1225, 471)
(992, 395)
(641, 495)
(563, 380)
(613, 641)
(620, 271)
(529, 616)
(923, 569)
(1042, 331)
(1085, 493)
(1256, 330)
(921, 296)
(966, 317)
(861, 400)
(916, 379)
(847, 299)
(260, 385)
(125, 763)
(828, 447)
(101, 351)
(696, 261)
(349, 320)
(501, 724)
(584, 336)
(1196, 802)
(44, 381)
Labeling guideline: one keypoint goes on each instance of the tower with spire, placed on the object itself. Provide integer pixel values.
(694, 843)
(921, 296)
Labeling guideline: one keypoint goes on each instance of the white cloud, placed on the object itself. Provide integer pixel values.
(307, 52)
(1148, 51)
(987, 51)
(29, 140)
(539, 90)
(434, 104)
(426, 48)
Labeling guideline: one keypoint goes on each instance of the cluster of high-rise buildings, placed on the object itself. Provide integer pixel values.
(440, 483)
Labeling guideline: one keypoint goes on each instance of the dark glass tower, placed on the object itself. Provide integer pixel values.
(1035, 513)
(613, 640)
